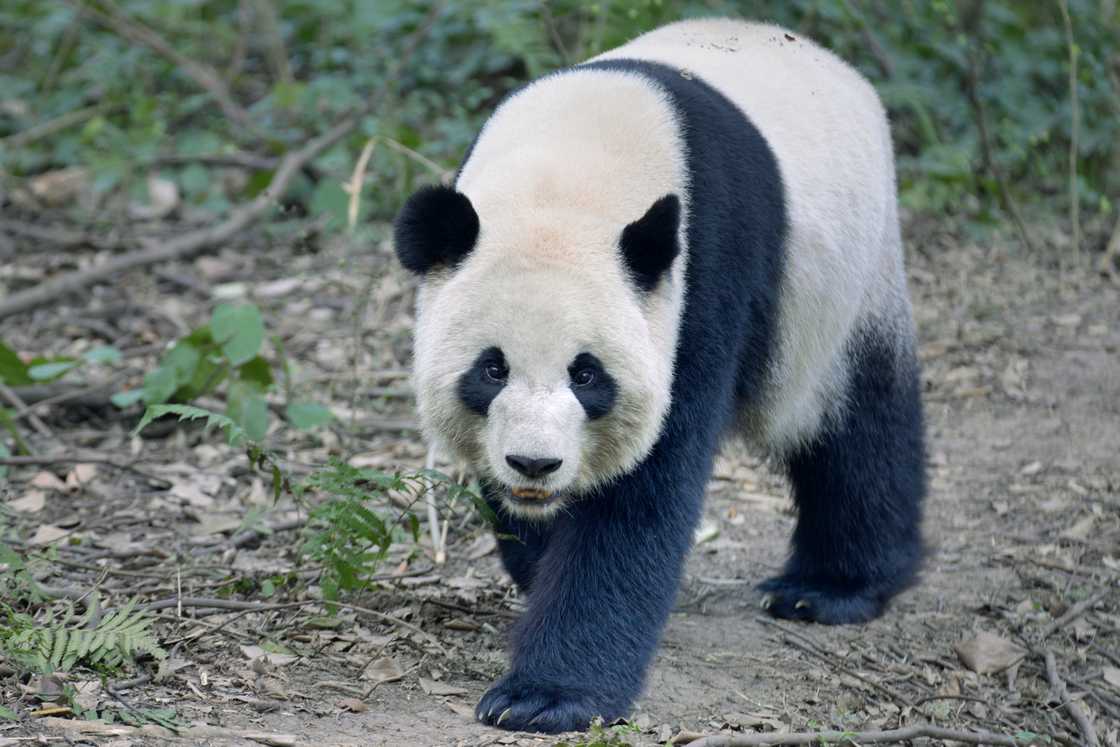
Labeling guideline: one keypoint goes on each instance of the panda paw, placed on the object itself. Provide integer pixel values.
(518, 704)
(795, 598)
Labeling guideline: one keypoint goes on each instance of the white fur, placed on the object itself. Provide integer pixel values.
(829, 132)
(557, 173)
(565, 164)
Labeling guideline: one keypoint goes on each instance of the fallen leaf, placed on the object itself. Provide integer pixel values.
(1111, 676)
(46, 534)
(384, 669)
(1080, 530)
(439, 688)
(47, 481)
(80, 475)
(354, 705)
(163, 198)
(482, 546)
(32, 502)
(1031, 469)
(461, 708)
(987, 653)
(87, 694)
(255, 653)
(55, 188)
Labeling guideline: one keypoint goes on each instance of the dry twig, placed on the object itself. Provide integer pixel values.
(1076, 712)
(1075, 612)
(187, 244)
(194, 242)
(196, 734)
(206, 77)
(23, 138)
(811, 648)
(859, 737)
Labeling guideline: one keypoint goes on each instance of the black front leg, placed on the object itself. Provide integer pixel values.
(601, 592)
(520, 542)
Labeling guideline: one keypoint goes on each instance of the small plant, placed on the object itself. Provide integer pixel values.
(224, 352)
(351, 531)
(599, 735)
(107, 644)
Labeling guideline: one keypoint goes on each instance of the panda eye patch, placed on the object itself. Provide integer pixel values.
(592, 385)
(484, 380)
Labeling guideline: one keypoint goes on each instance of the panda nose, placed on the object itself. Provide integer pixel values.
(531, 467)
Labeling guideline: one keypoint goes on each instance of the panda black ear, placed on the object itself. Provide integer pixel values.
(436, 227)
(649, 245)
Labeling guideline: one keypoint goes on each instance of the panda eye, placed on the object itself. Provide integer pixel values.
(584, 377)
(495, 374)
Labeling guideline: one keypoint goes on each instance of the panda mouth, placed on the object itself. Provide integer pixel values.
(531, 495)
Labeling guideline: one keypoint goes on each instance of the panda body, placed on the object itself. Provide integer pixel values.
(693, 235)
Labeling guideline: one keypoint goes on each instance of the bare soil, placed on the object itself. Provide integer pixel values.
(1022, 384)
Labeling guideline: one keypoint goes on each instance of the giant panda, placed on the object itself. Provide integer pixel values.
(690, 236)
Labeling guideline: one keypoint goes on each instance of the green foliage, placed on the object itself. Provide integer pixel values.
(235, 435)
(225, 351)
(598, 735)
(351, 531)
(106, 644)
(925, 58)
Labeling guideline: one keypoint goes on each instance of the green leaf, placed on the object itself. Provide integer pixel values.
(103, 354)
(330, 199)
(234, 433)
(8, 714)
(183, 360)
(52, 370)
(249, 410)
(239, 330)
(127, 398)
(13, 371)
(4, 452)
(256, 371)
(307, 415)
(159, 385)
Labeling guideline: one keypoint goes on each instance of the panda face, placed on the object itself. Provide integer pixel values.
(539, 376)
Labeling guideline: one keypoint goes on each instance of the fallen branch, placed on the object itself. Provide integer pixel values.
(240, 606)
(195, 242)
(187, 244)
(204, 76)
(23, 138)
(1073, 708)
(192, 733)
(1075, 612)
(859, 737)
(25, 461)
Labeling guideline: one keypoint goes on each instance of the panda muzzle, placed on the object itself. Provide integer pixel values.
(530, 494)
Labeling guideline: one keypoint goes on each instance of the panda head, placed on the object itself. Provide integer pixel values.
(540, 346)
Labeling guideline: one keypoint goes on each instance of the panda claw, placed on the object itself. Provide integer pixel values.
(502, 716)
(801, 605)
(767, 600)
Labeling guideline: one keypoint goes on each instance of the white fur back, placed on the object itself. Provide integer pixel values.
(829, 133)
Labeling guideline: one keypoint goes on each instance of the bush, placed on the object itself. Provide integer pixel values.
(301, 64)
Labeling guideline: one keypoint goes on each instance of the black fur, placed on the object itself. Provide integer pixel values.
(859, 490)
(649, 245)
(476, 389)
(602, 577)
(437, 227)
(597, 397)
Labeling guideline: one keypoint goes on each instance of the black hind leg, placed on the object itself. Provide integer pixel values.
(858, 489)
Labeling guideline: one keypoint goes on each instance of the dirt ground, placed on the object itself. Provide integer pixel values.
(1022, 386)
